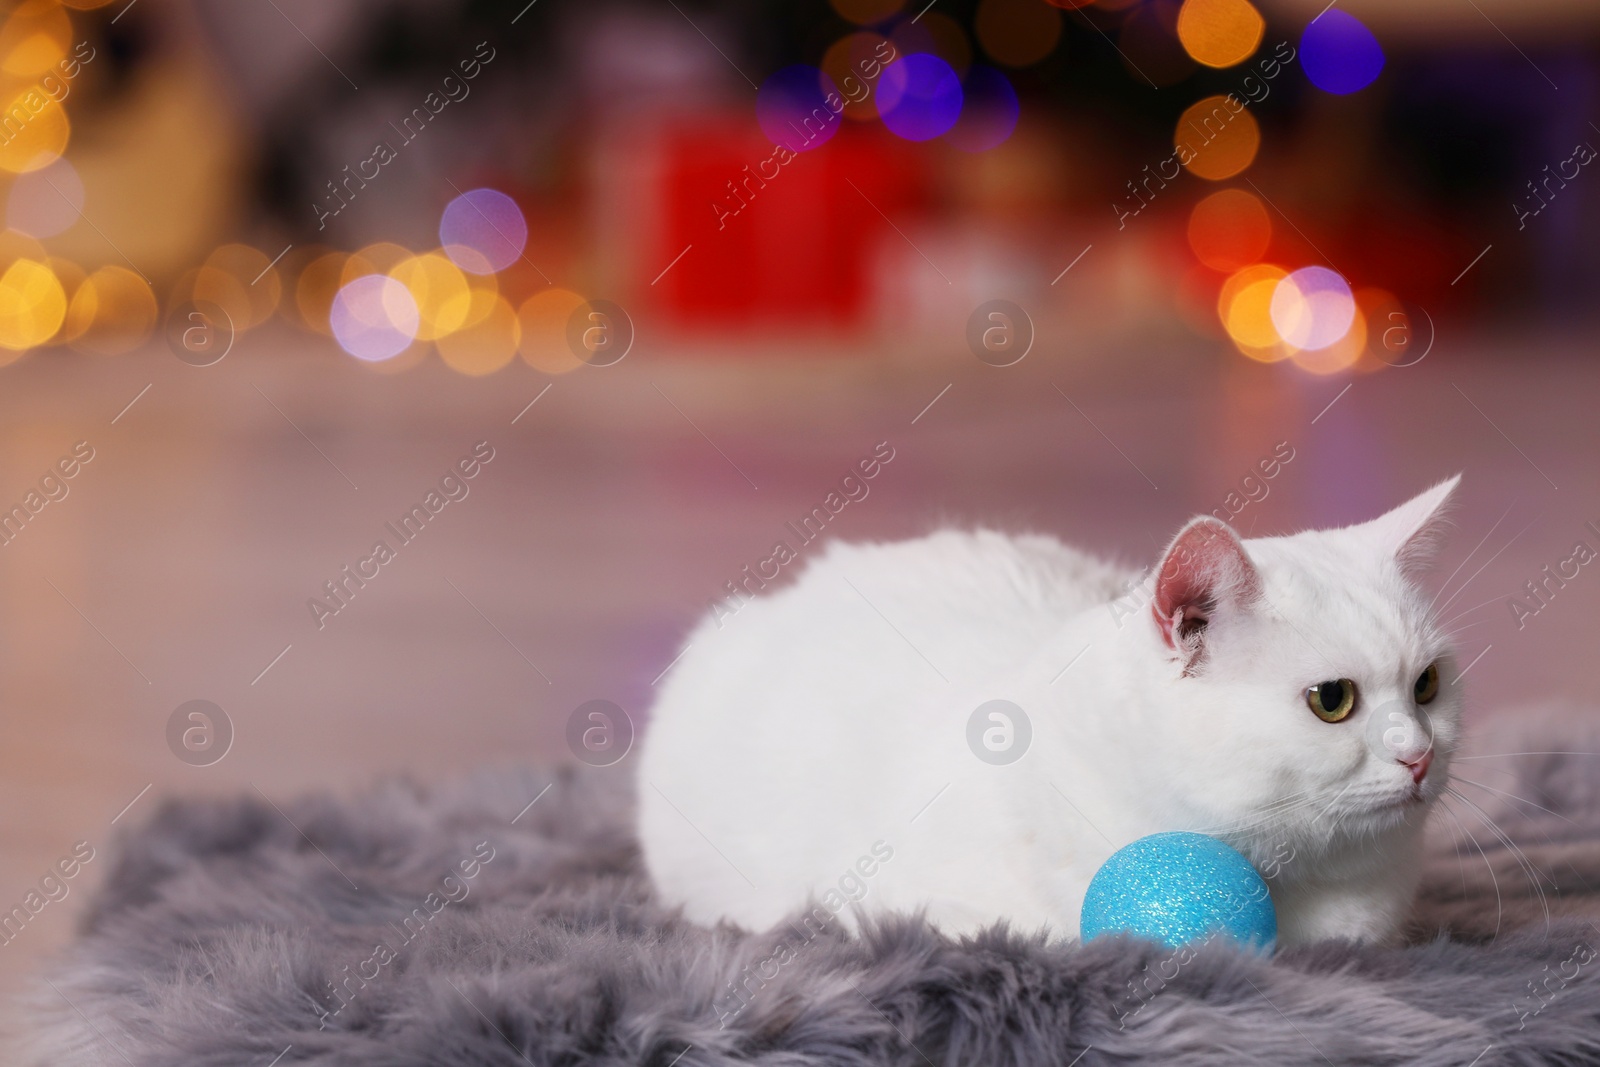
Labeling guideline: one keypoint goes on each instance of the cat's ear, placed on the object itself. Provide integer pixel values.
(1204, 573)
(1413, 532)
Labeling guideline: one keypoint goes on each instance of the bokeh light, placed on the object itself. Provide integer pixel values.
(111, 312)
(919, 97)
(1223, 141)
(1229, 229)
(1312, 308)
(1245, 308)
(374, 318)
(45, 202)
(483, 230)
(1339, 54)
(68, 272)
(32, 305)
(242, 281)
(40, 140)
(378, 258)
(1017, 33)
(935, 34)
(1339, 356)
(1396, 336)
(487, 345)
(866, 12)
(315, 289)
(544, 317)
(792, 111)
(439, 290)
(847, 63)
(34, 38)
(1220, 33)
(988, 113)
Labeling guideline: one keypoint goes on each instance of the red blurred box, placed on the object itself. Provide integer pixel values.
(772, 243)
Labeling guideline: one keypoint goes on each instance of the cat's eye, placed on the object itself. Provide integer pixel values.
(1332, 701)
(1427, 685)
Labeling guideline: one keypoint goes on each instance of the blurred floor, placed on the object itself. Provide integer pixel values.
(180, 563)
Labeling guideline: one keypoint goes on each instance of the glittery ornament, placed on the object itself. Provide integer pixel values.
(1176, 888)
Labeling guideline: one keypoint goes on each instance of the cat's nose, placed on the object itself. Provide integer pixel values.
(1419, 766)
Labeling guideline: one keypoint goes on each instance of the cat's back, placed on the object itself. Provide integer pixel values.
(785, 724)
(952, 605)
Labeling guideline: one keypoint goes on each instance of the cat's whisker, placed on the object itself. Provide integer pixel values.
(1261, 816)
(1492, 558)
(1497, 755)
(1499, 908)
(1463, 629)
(1469, 611)
(1446, 584)
(1513, 796)
(1516, 852)
(1547, 839)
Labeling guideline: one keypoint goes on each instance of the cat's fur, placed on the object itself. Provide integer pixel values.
(826, 724)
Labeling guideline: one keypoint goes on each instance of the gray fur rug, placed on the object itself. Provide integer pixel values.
(437, 927)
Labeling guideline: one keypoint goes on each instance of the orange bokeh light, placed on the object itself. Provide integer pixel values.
(847, 62)
(1220, 33)
(1245, 308)
(1217, 138)
(543, 319)
(1229, 229)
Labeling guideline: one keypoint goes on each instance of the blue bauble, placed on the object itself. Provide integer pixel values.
(1179, 887)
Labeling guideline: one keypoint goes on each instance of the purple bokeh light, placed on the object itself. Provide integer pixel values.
(483, 231)
(792, 109)
(1339, 54)
(374, 318)
(919, 97)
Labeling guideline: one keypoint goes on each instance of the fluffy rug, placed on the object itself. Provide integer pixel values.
(459, 926)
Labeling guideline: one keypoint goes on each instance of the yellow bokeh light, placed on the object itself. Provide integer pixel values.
(478, 307)
(490, 343)
(32, 305)
(112, 312)
(1249, 319)
(34, 38)
(240, 280)
(1217, 138)
(36, 131)
(441, 293)
(1245, 308)
(1220, 33)
(1017, 33)
(544, 317)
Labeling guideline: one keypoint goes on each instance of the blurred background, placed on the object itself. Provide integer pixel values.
(574, 308)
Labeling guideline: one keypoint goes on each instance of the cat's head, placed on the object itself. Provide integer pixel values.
(1309, 688)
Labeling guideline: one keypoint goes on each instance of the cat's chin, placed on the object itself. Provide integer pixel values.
(1403, 808)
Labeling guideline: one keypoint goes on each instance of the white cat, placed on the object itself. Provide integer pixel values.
(1290, 695)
